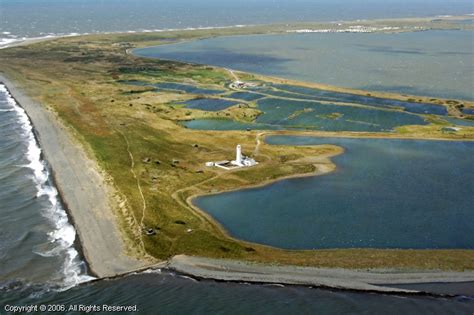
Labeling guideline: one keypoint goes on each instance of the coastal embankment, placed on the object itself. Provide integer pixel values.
(84, 191)
(377, 280)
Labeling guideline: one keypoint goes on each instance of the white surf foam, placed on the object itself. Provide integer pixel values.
(151, 271)
(63, 236)
(11, 40)
(5, 42)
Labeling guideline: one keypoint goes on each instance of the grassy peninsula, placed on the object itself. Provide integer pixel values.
(156, 165)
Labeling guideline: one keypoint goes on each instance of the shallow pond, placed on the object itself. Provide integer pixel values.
(318, 116)
(246, 96)
(311, 115)
(317, 94)
(209, 104)
(227, 124)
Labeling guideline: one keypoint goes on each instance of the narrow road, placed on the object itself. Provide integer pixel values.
(132, 166)
(258, 143)
(175, 195)
(232, 73)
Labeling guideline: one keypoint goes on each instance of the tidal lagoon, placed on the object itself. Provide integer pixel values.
(432, 63)
(408, 194)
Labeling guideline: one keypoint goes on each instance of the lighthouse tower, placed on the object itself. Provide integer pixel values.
(238, 155)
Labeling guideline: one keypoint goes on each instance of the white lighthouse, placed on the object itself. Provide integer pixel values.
(240, 161)
(238, 155)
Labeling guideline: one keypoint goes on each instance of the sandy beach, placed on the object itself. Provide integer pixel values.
(83, 190)
(359, 280)
(28, 41)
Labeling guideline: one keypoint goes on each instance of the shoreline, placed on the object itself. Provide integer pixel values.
(77, 245)
(327, 168)
(385, 281)
(361, 135)
(77, 241)
(368, 281)
(81, 189)
(30, 40)
(309, 84)
(421, 99)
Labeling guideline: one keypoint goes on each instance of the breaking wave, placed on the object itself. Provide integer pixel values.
(8, 39)
(63, 236)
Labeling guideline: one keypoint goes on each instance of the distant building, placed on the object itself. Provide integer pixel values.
(241, 85)
(450, 129)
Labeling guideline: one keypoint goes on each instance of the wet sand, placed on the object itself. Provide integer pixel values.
(85, 193)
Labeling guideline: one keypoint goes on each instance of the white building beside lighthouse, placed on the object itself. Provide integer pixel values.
(240, 161)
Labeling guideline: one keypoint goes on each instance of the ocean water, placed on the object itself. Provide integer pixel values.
(432, 63)
(36, 238)
(384, 193)
(39, 18)
(167, 293)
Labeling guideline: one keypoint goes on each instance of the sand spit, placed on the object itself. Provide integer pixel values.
(372, 281)
(83, 190)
